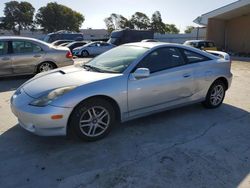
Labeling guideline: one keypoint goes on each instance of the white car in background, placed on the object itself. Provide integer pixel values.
(92, 49)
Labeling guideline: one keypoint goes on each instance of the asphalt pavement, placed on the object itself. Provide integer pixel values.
(185, 147)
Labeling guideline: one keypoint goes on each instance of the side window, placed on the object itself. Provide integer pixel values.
(202, 45)
(193, 57)
(3, 47)
(25, 47)
(162, 59)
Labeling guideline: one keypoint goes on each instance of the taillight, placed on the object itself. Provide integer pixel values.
(69, 55)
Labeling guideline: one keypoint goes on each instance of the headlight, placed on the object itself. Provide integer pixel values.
(49, 97)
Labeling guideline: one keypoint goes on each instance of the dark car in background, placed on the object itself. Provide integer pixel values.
(129, 35)
(59, 42)
(76, 44)
(202, 44)
(64, 44)
(63, 35)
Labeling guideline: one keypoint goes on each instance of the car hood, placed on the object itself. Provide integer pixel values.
(63, 77)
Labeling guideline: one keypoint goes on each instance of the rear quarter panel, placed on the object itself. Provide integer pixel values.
(58, 57)
(210, 71)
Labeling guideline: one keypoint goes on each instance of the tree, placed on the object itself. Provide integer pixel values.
(116, 21)
(172, 29)
(109, 24)
(189, 29)
(54, 17)
(140, 21)
(17, 16)
(156, 23)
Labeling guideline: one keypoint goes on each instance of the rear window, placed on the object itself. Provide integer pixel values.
(193, 57)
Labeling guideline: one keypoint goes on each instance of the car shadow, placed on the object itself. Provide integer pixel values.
(182, 142)
(12, 83)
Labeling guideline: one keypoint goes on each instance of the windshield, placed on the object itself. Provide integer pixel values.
(117, 59)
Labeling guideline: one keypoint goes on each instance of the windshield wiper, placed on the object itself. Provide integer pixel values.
(89, 67)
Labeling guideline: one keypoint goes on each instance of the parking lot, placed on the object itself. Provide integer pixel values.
(187, 147)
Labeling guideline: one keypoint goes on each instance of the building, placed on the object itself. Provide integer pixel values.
(198, 33)
(95, 34)
(88, 34)
(229, 26)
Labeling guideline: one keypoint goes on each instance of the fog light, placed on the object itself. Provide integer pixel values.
(55, 117)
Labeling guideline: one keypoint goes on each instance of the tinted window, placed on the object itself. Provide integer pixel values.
(193, 57)
(25, 47)
(210, 44)
(77, 45)
(104, 44)
(202, 45)
(162, 59)
(3, 47)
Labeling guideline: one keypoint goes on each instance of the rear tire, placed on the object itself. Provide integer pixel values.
(45, 66)
(92, 120)
(215, 95)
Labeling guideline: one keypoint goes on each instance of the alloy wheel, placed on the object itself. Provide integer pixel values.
(45, 67)
(94, 121)
(217, 95)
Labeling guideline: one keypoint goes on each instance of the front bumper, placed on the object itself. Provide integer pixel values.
(38, 119)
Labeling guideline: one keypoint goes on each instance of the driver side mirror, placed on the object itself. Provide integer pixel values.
(141, 73)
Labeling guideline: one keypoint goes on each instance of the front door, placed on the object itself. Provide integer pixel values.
(170, 80)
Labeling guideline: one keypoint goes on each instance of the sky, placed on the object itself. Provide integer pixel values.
(178, 12)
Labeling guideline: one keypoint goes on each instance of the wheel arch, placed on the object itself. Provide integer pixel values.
(224, 80)
(46, 61)
(104, 97)
(85, 50)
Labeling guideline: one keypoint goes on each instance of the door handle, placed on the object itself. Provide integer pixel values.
(5, 58)
(187, 75)
(37, 56)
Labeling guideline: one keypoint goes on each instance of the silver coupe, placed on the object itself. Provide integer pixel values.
(127, 82)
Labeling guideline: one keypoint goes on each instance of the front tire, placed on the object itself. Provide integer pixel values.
(84, 53)
(92, 120)
(215, 95)
(45, 66)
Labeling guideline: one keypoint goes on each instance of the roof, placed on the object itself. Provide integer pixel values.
(17, 37)
(25, 38)
(146, 44)
(236, 9)
(154, 44)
